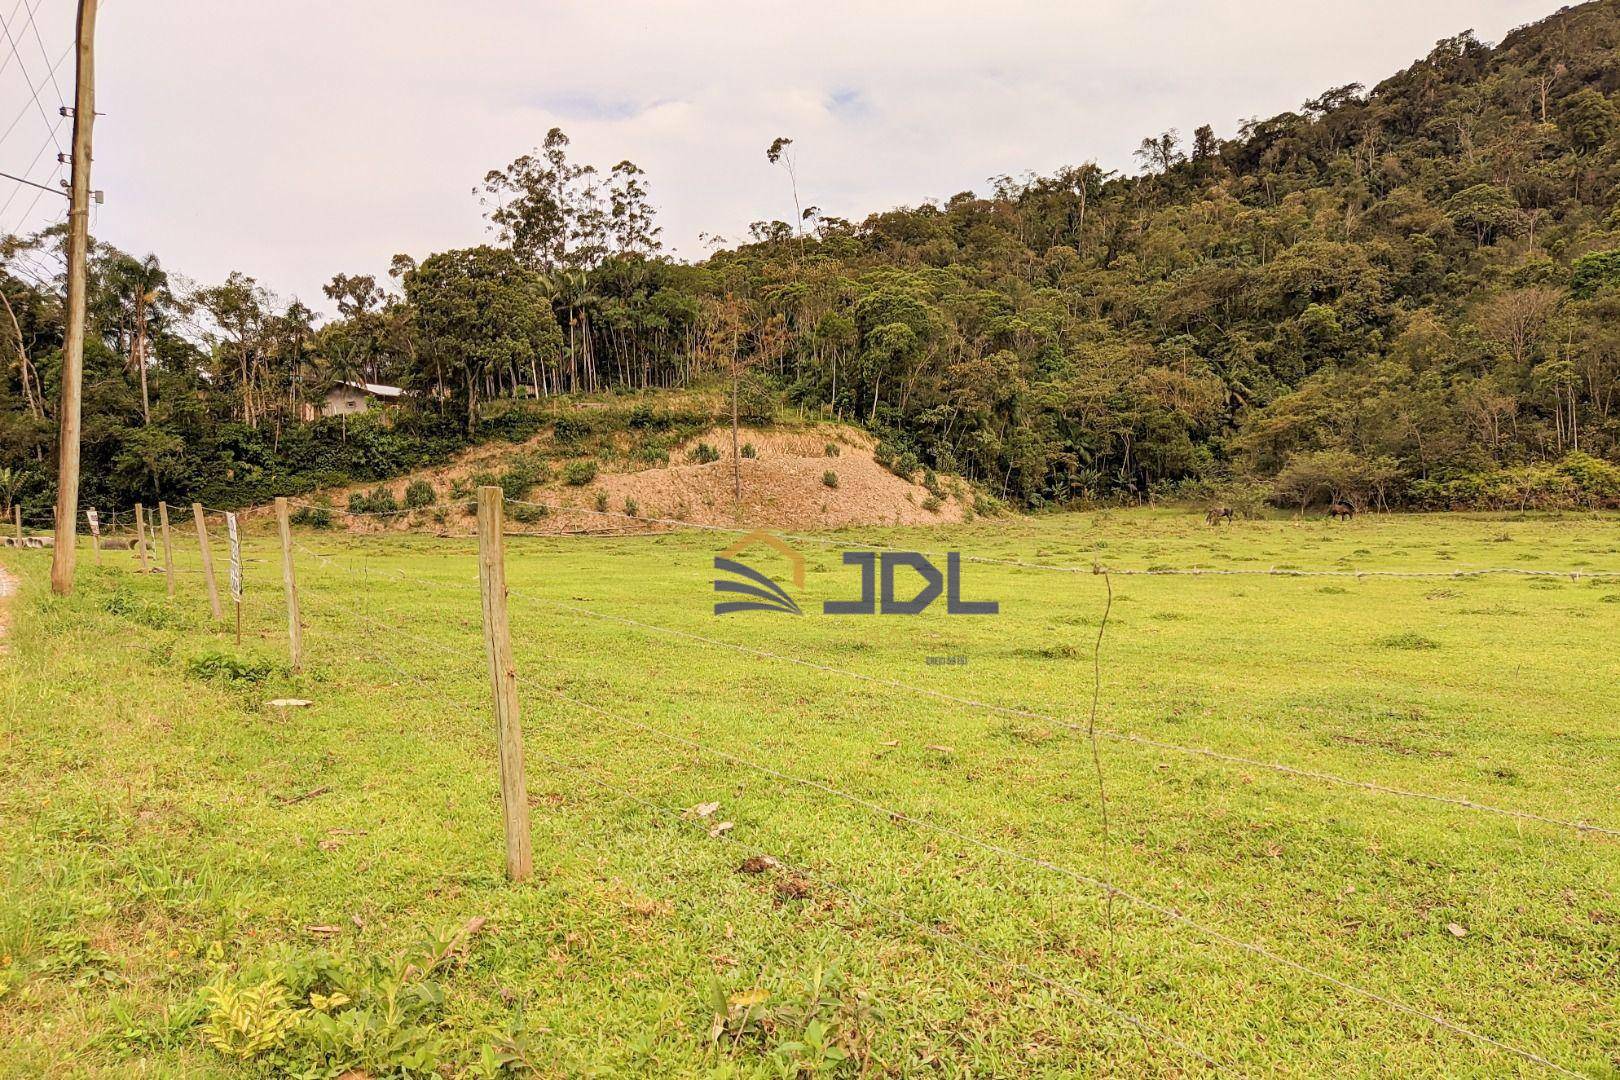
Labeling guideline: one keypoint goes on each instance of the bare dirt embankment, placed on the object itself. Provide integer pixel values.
(807, 476)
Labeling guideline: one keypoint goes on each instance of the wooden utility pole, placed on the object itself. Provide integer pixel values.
(289, 580)
(168, 549)
(16, 512)
(207, 560)
(67, 448)
(503, 682)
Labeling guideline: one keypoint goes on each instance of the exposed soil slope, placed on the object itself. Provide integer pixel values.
(784, 485)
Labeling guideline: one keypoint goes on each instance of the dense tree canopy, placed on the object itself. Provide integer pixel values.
(1408, 294)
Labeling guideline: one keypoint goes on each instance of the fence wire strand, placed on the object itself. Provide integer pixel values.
(1026, 714)
(1107, 888)
(1146, 1028)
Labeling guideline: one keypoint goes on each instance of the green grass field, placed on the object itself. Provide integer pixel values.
(199, 884)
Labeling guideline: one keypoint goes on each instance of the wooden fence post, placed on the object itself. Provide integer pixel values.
(140, 535)
(503, 682)
(207, 560)
(16, 512)
(168, 550)
(289, 580)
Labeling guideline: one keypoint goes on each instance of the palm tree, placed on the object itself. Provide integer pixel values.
(139, 285)
(10, 481)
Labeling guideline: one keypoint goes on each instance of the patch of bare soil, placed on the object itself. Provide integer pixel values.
(791, 481)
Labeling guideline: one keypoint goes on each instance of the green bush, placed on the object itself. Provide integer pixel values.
(420, 493)
(526, 513)
(932, 504)
(376, 501)
(521, 478)
(702, 454)
(830, 478)
(570, 430)
(319, 1013)
(748, 450)
(314, 517)
(579, 473)
(833, 450)
(631, 507)
(216, 665)
(654, 451)
(601, 502)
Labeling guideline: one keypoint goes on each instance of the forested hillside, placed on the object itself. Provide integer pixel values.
(1404, 295)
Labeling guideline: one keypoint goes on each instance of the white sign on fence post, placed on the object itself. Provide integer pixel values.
(94, 519)
(236, 558)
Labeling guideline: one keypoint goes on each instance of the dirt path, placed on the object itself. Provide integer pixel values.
(8, 589)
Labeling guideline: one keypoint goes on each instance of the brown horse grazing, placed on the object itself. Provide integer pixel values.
(1219, 514)
(1341, 510)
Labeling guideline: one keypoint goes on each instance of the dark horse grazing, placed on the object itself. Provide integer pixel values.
(1341, 510)
(1219, 514)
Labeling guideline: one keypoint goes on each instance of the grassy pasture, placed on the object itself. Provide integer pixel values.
(163, 830)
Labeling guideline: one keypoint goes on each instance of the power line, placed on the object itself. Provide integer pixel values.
(33, 183)
(43, 55)
(46, 145)
(32, 90)
(5, 61)
(24, 110)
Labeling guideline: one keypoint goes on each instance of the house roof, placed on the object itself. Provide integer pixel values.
(375, 389)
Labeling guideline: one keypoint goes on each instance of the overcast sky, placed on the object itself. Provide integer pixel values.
(295, 139)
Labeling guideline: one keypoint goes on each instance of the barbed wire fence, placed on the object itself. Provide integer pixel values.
(495, 594)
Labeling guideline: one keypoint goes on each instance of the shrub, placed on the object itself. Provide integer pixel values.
(642, 416)
(631, 507)
(323, 1014)
(702, 454)
(601, 502)
(748, 450)
(526, 513)
(932, 504)
(579, 473)
(316, 517)
(220, 666)
(830, 478)
(651, 448)
(420, 493)
(376, 501)
(518, 480)
(570, 430)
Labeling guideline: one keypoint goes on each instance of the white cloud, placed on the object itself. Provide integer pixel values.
(298, 139)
